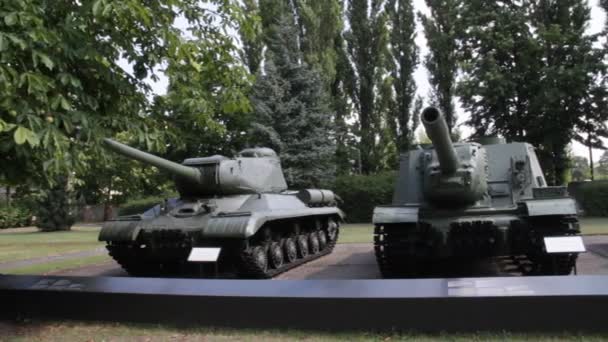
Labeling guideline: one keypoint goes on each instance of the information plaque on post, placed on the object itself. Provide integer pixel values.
(564, 244)
(203, 255)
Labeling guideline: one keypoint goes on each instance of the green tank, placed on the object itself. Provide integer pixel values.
(458, 202)
(240, 205)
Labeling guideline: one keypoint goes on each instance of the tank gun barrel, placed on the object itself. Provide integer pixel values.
(437, 130)
(181, 171)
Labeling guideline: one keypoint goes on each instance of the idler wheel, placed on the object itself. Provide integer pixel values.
(332, 231)
(313, 242)
(259, 258)
(276, 255)
(322, 239)
(290, 250)
(302, 246)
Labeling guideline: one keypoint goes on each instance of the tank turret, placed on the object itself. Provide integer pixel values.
(252, 171)
(437, 130)
(455, 174)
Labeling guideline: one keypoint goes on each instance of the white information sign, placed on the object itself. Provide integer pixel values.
(564, 244)
(204, 254)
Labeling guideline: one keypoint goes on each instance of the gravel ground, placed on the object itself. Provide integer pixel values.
(357, 261)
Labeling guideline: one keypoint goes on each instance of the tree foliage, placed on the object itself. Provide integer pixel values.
(366, 42)
(530, 74)
(62, 87)
(403, 115)
(580, 168)
(292, 114)
(72, 72)
(442, 29)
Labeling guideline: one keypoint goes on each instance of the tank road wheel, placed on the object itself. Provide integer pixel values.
(538, 261)
(332, 232)
(260, 258)
(322, 239)
(275, 253)
(302, 246)
(313, 243)
(290, 250)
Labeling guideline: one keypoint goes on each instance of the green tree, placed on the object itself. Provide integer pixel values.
(53, 210)
(442, 31)
(367, 47)
(501, 68)
(602, 167)
(342, 89)
(61, 87)
(320, 23)
(580, 168)
(569, 75)
(253, 44)
(403, 116)
(292, 114)
(531, 74)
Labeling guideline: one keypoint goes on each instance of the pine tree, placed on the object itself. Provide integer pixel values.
(53, 208)
(442, 31)
(292, 112)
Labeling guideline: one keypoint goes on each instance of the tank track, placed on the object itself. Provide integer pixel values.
(129, 258)
(405, 250)
(537, 262)
(399, 249)
(248, 267)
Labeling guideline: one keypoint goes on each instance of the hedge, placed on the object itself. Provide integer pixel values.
(361, 193)
(139, 205)
(14, 216)
(592, 197)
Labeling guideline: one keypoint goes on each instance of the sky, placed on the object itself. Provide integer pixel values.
(598, 18)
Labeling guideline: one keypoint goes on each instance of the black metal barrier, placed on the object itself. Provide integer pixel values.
(426, 305)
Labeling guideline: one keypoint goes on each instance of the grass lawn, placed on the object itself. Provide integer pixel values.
(27, 243)
(48, 267)
(81, 331)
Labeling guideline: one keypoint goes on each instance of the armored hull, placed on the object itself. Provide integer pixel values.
(465, 201)
(239, 205)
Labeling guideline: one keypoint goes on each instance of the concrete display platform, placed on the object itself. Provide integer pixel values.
(357, 261)
(539, 304)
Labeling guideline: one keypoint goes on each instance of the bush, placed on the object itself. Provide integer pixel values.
(139, 205)
(592, 197)
(14, 216)
(361, 193)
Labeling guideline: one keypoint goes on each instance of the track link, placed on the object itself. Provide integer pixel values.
(537, 261)
(395, 247)
(128, 256)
